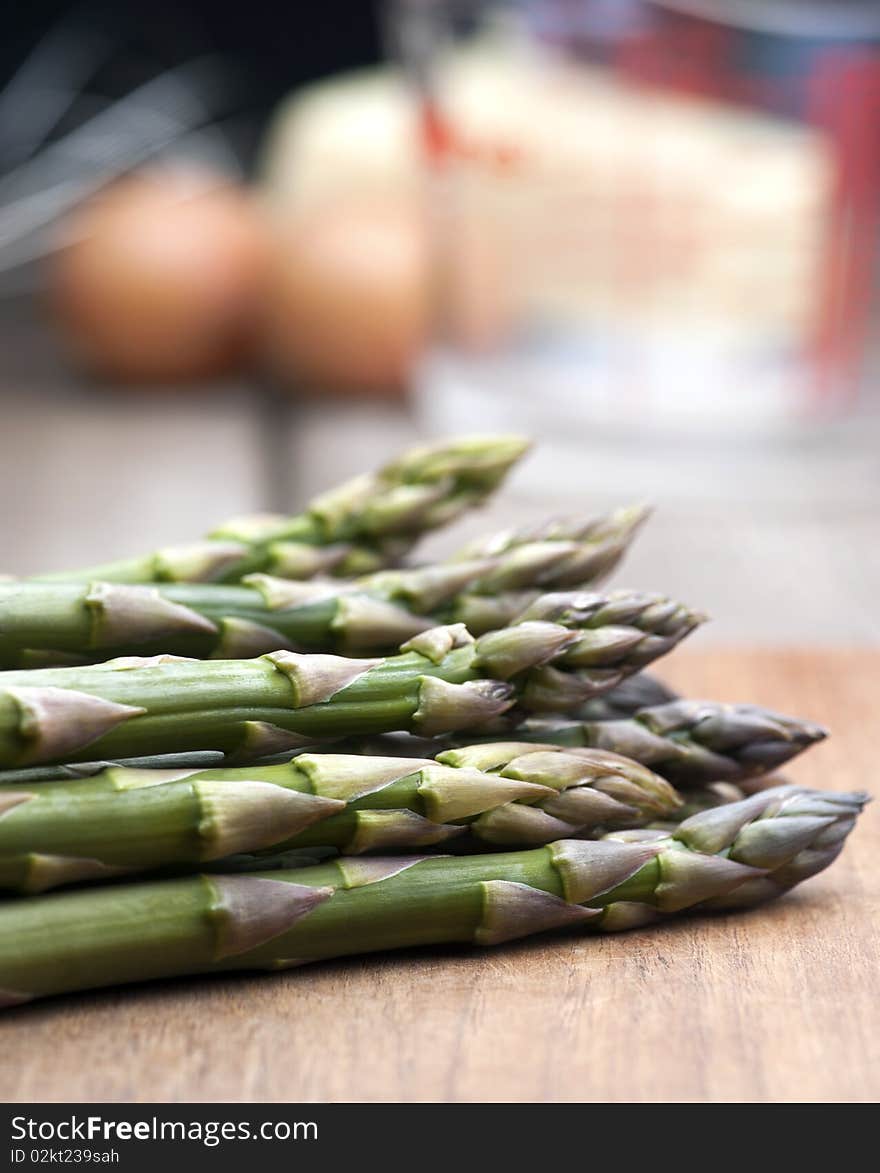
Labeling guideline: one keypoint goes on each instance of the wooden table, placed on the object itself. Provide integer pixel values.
(777, 1004)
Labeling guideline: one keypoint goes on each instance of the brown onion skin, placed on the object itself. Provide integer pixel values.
(347, 308)
(164, 279)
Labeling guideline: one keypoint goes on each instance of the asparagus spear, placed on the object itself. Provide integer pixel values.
(360, 526)
(564, 649)
(689, 742)
(128, 820)
(735, 856)
(43, 623)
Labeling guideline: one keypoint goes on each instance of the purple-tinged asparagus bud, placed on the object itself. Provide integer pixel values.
(527, 645)
(250, 910)
(282, 594)
(366, 623)
(123, 614)
(392, 830)
(198, 561)
(241, 639)
(512, 910)
(429, 587)
(455, 793)
(317, 678)
(588, 869)
(53, 722)
(358, 873)
(250, 815)
(298, 561)
(437, 642)
(445, 707)
(348, 777)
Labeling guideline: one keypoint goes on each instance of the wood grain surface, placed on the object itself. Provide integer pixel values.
(776, 1004)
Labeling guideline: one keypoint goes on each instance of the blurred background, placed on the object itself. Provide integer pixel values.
(247, 251)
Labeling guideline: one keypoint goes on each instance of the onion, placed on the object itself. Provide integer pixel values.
(348, 299)
(163, 277)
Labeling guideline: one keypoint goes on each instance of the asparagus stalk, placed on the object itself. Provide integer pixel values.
(735, 856)
(360, 526)
(129, 820)
(564, 649)
(56, 622)
(690, 743)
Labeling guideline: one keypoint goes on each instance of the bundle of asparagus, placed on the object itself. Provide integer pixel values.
(505, 707)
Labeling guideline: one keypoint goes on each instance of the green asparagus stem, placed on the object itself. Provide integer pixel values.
(732, 857)
(564, 649)
(129, 820)
(45, 623)
(690, 743)
(364, 524)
